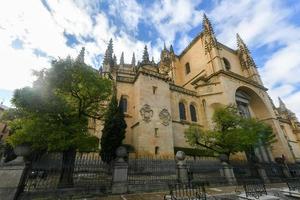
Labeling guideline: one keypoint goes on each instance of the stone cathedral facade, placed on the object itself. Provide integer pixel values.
(161, 100)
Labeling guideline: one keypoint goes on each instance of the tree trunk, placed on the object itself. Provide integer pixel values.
(68, 163)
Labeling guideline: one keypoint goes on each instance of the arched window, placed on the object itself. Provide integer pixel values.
(123, 104)
(182, 111)
(193, 113)
(242, 101)
(187, 68)
(227, 64)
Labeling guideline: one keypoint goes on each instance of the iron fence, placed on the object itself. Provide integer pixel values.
(273, 171)
(148, 174)
(294, 169)
(88, 173)
(244, 171)
(206, 169)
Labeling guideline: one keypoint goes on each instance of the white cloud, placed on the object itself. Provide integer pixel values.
(129, 12)
(172, 17)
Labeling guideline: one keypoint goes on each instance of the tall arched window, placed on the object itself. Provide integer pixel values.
(187, 68)
(193, 113)
(182, 111)
(242, 101)
(227, 64)
(123, 104)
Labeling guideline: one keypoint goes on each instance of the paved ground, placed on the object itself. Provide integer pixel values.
(220, 193)
(214, 193)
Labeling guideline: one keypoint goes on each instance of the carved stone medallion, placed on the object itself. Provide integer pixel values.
(164, 117)
(146, 113)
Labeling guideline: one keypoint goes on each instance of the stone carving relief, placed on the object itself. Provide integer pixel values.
(146, 113)
(164, 117)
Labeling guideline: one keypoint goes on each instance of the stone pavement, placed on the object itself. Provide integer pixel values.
(228, 192)
(214, 193)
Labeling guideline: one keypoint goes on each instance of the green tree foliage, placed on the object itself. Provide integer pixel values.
(113, 131)
(231, 133)
(53, 114)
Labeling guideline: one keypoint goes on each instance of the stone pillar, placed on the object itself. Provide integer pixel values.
(182, 172)
(11, 174)
(262, 173)
(286, 171)
(120, 185)
(227, 171)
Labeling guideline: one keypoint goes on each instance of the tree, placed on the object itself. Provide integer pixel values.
(231, 133)
(113, 131)
(55, 111)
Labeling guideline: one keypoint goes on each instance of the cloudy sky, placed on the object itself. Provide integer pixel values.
(34, 32)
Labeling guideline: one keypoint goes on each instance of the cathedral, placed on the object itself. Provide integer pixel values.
(160, 100)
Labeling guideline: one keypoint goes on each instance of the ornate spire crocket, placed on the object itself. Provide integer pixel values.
(209, 36)
(244, 54)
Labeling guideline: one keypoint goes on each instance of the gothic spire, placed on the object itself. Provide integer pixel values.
(281, 104)
(241, 44)
(133, 60)
(207, 25)
(114, 60)
(209, 36)
(145, 56)
(171, 49)
(108, 58)
(244, 53)
(165, 48)
(80, 57)
(122, 59)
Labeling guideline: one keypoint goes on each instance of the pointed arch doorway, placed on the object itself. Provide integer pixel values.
(249, 104)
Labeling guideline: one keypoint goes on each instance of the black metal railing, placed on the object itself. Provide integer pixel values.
(151, 173)
(87, 173)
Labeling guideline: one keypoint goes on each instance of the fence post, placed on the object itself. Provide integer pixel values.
(11, 174)
(227, 170)
(262, 173)
(120, 184)
(286, 170)
(182, 174)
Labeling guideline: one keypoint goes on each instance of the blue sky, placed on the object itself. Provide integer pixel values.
(35, 32)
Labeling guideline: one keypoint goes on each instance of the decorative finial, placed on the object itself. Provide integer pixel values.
(122, 59)
(133, 60)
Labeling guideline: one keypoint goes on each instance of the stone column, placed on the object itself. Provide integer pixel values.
(262, 173)
(227, 170)
(182, 172)
(11, 174)
(120, 184)
(286, 170)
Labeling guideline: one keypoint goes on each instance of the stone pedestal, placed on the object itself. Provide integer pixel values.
(120, 184)
(262, 173)
(227, 171)
(286, 171)
(181, 167)
(10, 175)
